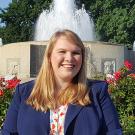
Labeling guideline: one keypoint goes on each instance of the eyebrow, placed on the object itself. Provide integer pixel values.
(66, 49)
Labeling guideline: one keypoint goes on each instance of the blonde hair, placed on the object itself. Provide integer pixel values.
(42, 96)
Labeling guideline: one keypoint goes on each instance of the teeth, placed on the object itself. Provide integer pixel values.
(68, 66)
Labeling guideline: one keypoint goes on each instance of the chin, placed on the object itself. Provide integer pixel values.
(68, 78)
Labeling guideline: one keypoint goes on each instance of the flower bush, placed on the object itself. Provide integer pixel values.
(6, 91)
(122, 91)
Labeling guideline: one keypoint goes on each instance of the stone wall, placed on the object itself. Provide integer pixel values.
(24, 59)
(15, 58)
(104, 57)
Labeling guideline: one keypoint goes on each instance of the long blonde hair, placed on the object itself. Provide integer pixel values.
(42, 96)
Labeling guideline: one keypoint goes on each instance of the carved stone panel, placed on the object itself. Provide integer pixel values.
(13, 66)
(108, 65)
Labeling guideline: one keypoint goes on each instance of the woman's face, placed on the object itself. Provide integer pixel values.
(66, 60)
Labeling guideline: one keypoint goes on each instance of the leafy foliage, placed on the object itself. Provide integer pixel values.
(20, 18)
(114, 20)
(122, 90)
(6, 92)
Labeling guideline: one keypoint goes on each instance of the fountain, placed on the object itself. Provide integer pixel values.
(63, 14)
(134, 46)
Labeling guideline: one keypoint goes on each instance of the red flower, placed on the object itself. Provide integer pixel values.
(11, 84)
(117, 75)
(110, 81)
(1, 93)
(128, 65)
(2, 79)
(132, 75)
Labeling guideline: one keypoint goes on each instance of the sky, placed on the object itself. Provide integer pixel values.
(4, 3)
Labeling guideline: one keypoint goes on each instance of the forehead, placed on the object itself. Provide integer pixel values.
(65, 43)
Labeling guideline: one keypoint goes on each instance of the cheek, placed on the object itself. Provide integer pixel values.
(55, 60)
(79, 61)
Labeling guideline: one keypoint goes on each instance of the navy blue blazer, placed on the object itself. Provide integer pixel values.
(97, 118)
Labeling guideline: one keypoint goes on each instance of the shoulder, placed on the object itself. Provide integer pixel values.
(27, 84)
(24, 89)
(97, 86)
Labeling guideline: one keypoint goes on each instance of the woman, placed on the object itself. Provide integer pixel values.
(62, 101)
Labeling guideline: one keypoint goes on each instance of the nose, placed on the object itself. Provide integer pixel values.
(69, 57)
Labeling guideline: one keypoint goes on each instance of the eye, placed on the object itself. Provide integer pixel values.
(62, 51)
(76, 53)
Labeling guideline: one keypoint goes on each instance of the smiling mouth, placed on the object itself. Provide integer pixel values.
(68, 65)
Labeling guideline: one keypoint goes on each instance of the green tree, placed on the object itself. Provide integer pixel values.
(114, 20)
(20, 18)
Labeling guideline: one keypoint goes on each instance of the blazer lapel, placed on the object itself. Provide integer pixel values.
(72, 111)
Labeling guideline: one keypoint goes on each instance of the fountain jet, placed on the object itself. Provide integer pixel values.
(63, 14)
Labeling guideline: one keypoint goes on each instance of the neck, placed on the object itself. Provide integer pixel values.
(61, 85)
